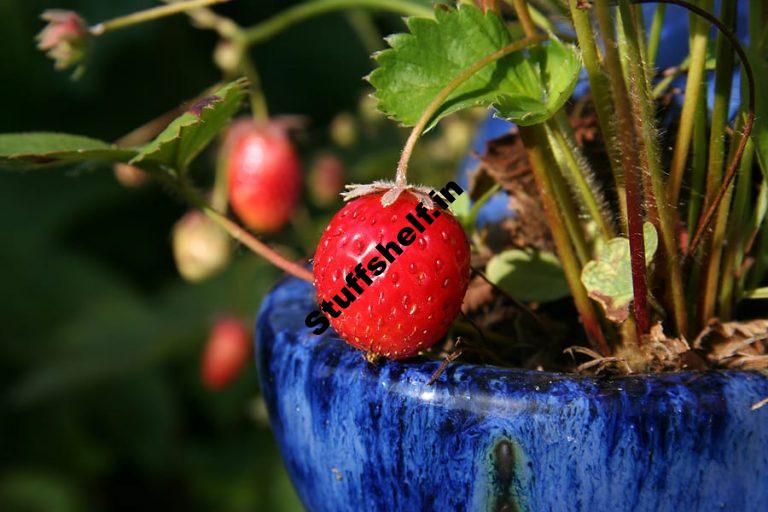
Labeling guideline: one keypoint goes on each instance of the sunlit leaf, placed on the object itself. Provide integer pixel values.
(526, 87)
(608, 279)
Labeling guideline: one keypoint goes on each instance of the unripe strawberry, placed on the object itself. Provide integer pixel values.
(226, 56)
(200, 247)
(264, 174)
(391, 279)
(326, 179)
(226, 353)
(344, 130)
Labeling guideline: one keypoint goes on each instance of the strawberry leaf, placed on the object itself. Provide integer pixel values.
(526, 87)
(529, 276)
(45, 149)
(608, 279)
(190, 133)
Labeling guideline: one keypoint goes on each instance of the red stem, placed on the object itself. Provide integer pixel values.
(637, 254)
(630, 163)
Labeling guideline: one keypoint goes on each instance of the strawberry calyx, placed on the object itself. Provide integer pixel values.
(390, 191)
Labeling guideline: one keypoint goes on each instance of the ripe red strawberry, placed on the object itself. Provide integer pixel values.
(264, 174)
(226, 353)
(396, 305)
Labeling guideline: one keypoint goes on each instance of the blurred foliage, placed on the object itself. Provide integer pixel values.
(101, 405)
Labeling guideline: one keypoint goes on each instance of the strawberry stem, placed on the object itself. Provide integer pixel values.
(658, 209)
(748, 123)
(602, 98)
(696, 71)
(437, 102)
(630, 162)
(543, 165)
(259, 109)
(150, 14)
(242, 235)
(267, 29)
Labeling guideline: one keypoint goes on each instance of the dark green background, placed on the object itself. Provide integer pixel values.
(101, 406)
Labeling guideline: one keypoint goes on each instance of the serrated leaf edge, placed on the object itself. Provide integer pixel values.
(141, 157)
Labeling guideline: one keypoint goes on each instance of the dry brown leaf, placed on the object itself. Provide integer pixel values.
(740, 344)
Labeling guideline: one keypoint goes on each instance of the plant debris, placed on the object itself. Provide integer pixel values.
(761, 403)
(505, 162)
(741, 345)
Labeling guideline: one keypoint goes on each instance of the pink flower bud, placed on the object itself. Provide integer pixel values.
(65, 38)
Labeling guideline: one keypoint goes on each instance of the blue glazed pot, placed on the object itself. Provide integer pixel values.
(357, 437)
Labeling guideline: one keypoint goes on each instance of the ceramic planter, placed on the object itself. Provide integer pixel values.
(357, 437)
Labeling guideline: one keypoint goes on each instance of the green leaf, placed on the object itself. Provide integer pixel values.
(525, 87)
(191, 132)
(529, 276)
(556, 67)
(608, 279)
(42, 149)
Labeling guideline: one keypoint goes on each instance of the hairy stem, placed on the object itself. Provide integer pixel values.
(630, 162)
(267, 29)
(644, 110)
(578, 173)
(602, 97)
(700, 36)
(535, 141)
(437, 102)
(559, 189)
(150, 14)
(569, 212)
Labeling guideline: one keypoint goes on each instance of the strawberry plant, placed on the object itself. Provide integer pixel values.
(617, 249)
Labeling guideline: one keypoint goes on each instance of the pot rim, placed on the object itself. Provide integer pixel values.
(298, 291)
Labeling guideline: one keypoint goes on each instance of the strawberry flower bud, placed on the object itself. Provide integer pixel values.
(64, 39)
(200, 247)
